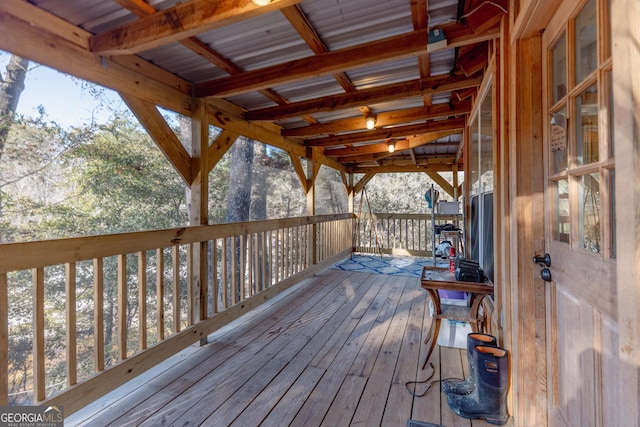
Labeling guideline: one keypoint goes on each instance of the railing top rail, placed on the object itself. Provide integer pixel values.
(28, 255)
(406, 216)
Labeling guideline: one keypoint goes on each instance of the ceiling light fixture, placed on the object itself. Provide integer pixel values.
(391, 146)
(370, 122)
(261, 2)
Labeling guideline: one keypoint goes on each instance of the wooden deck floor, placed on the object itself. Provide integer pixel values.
(336, 351)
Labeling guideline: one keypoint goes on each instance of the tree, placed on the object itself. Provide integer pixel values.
(11, 87)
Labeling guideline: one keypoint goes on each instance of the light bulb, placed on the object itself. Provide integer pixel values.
(370, 122)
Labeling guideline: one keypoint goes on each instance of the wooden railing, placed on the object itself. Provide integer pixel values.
(398, 234)
(145, 295)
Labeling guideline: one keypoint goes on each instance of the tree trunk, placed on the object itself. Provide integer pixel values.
(239, 205)
(259, 212)
(11, 87)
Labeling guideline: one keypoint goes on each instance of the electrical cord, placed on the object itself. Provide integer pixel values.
(424, 393)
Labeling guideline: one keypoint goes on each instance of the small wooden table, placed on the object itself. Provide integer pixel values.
(434, 279)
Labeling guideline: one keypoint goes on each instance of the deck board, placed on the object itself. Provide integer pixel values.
(335, 350)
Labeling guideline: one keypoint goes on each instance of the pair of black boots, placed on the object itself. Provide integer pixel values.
(483, 395)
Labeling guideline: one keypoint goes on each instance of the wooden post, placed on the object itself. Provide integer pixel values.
(527, 322)
(199, 209)
(312, 171)
(626, 97)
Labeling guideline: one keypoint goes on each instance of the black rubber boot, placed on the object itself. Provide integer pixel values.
(467, 386)
(488, 400)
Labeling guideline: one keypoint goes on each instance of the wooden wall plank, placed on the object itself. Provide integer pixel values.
(626, 95)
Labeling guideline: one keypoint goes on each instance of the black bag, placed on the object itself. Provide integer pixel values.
(468, 270)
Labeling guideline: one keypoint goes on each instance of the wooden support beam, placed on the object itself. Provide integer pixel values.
(365, 152)
(396, 47)
(32, 33)
(452, 126)
(299, 21)
(383, 119)
(220, 146)
(227, 116)
(157, 127)
(297, 166)
(399, 167)
(199, 214)
(443, 183)
(179, 22)
(363, 181)
(436, 84)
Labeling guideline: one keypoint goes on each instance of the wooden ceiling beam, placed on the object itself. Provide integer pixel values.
(400, 145)
(383, 119)
(401, 46)
(219, 147)
(400, 168)
(177, 23)
(443, 183)
(451, 125)
(142, 9)
(164, 137)
(327, 63)
(437, 84)
(30, 32)
(299, 21)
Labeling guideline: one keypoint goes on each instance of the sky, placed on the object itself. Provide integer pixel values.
(64, 99)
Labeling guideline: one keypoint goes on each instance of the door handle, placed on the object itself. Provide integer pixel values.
(545, 273)
(542, 259)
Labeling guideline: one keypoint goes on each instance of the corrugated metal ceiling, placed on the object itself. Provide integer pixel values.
(270, 39)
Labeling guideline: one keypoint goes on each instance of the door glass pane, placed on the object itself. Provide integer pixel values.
(589, 212)
(561, 232)
(612, 207)
(559, 71)
(486, 144)
(612, 139)
(586, 35)
(587, 126)
(474, 156)
(559, 140)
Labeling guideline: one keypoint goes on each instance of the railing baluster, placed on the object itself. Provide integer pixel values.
(268, 254)
(72, 355)
(142, 300)
(160, 292)
(4, 340)
(98, 314)
(39, 374)
(122, 306)
(225, 281)
(234, 272)
(175, 258)
(215, 285)
(190, 296)
(251, 258)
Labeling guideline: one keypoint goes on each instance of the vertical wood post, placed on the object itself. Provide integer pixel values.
(626, 98)
(311, 203)
(199, 209)
(526, 170)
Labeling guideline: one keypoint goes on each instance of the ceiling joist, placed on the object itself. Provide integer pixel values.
(383, 119)
(392, 48)
(450, 125)
(177, 23)
(437, 84)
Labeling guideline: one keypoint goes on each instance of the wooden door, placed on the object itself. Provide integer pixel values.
(582, 333)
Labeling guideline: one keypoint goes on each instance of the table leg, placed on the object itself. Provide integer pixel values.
(434, 329)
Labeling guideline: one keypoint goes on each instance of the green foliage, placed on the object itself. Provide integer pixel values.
(125, 182)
